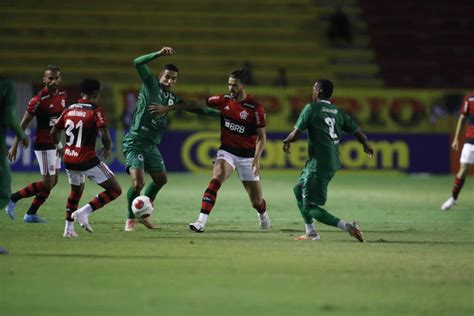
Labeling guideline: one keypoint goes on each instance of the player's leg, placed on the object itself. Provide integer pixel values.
(155, 166)
(223, 168)
(77, 182)
(466, 159)
(103, 176)
(135, 166)
(310, 230)
(315, 196)
(48, 162)
(5, 180)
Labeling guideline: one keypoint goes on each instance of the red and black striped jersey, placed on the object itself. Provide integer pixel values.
(47, 107)
(239, 123)
(81, 122)
(468, 110)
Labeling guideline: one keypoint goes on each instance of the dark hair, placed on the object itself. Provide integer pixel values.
(325, 88)
(53, 68)
(90, 86)
(241, 75)
(170, 67)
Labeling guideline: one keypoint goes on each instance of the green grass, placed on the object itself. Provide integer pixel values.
(417, 260)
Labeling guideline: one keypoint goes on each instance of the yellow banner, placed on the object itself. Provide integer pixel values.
(376, 110)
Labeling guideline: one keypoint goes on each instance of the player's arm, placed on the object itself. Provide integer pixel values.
(105, 137)
(11, 120)
(190, 106)
(25, 121)
(362, 138)
(459, 126)
(56, 136)
(141, 62)
(292, 137)
(260, 146)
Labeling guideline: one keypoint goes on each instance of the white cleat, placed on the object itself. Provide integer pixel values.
(198, 227)
(309, 236)
(130, 225)
(70, 233)
(264, 220)
(448, 204)
(83, 220)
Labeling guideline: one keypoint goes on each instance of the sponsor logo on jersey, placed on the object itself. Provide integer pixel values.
(71, 152)
(77, 113)
(140, 157)
(244, 115)
(234, 127)
(249, 105)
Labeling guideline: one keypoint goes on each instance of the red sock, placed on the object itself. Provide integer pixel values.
(458, 183)
(30, 190)
(72, 204)
(262, 208)
(103, 198)
(210, 195)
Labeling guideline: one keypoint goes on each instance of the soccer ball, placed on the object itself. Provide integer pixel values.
(141, 206)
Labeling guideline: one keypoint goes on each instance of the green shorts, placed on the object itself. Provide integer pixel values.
(315, 186)
(5, 178)
(146, 158)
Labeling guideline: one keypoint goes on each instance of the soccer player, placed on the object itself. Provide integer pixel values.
(81, 122)
(467, 154)
(140, 143)
(325, 123)
(47, 106)
(243, 140)
(8, 119)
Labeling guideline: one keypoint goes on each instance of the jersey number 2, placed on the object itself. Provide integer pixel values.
(72, 131)
(331, 122)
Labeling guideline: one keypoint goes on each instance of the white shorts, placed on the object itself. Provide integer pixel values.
(48, 161)
(99, 174)
(467, 154)
(242, 165)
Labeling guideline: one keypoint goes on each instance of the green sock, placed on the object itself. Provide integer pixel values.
(131, 195)
(151, 191)
(321, 215)
(298, 190)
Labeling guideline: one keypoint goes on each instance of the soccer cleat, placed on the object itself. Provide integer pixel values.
(145, 220)
(448, 204)
(130, 225)
(198, 227)
(354, 231)
(83, 220)
(33, 219)
(10, 209)
(70, 233)
(309, 236)
(264, 220)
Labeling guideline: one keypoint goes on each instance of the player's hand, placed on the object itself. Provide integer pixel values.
(455, 145)
(286, 147)
(256, 167)
(60, 152)
(106, 153)
(157, 109)
(25, 142)
(166, 51)
(12, 153)
(369, 150)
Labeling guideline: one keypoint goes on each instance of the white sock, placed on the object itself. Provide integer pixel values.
(86, 208)
(342, 224)
(309, 228)
(203, 218)
(69, 225)
(262, 215)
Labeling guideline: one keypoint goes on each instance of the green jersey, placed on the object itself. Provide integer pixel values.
(7, 109)
(147, 128)
(325, 123)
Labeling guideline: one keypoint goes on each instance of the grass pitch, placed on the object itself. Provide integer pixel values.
(417, 260)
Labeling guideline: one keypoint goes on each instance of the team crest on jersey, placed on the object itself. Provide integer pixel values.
(170, 102)
(244, 115)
